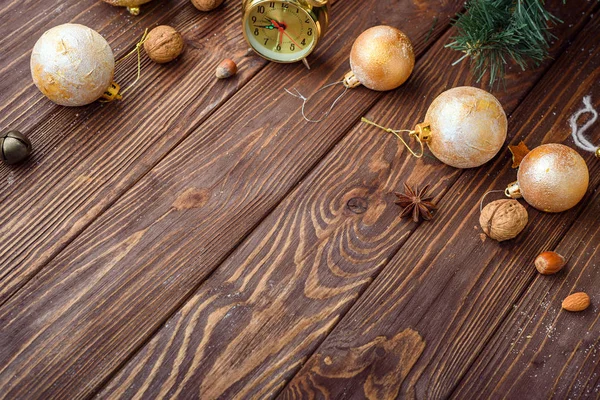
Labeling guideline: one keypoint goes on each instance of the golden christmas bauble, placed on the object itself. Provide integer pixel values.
(468, 127)
(553, 177)
(72, 65)
(382, 58)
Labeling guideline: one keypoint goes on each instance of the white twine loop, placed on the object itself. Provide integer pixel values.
(306, 99)
(577, 132)
(484, 196)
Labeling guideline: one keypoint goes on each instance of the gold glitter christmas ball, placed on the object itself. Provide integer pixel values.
(468, 127)
(553, 177)
(382, 58)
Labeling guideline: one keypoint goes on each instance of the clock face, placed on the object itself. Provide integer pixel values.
(280, 31)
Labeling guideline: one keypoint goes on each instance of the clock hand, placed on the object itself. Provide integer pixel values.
(293, 41)
(281, 30)
(265, 26)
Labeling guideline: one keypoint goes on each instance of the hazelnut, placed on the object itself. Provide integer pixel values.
(207, 5)
(226, 69)
(576, 302)
(549, 263)
(163, 44)
(503, 219)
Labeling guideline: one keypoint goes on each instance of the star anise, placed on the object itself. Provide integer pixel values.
(416, 203)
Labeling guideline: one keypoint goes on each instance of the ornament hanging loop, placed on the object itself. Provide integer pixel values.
(485, 195)
(305, 100)
(513, 191)
(422, 133)
(114, 92)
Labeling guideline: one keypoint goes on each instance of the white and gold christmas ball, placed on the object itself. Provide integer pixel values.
(72, 65)
(468, 127)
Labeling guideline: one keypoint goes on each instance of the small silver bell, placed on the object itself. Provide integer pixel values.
(14, 147)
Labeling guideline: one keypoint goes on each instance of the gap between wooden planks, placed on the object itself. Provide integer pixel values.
(422, 323)
(300, 270)
(116, 259)
(91, 162)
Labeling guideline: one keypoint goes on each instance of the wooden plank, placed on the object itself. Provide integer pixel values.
(250, 326)
(117, 282)
(423, 321)
(90, 162)
(542, 351)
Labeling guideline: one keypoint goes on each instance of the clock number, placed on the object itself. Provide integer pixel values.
(307, 21)
(309, 32)
(261, 9)
(285, 5)
(272, 4)
(292, 47)
(256, 32)
(266, 41)
(303, 43)
(254, 19)
(278, 48)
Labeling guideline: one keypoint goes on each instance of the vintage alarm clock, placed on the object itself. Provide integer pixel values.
(285, 31)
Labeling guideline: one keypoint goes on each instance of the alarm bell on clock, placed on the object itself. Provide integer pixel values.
(285, 31)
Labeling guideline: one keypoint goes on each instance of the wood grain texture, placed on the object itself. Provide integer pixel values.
(446, 283)
(96, 302)
(303, 267)
(542, 351)
(92, 155)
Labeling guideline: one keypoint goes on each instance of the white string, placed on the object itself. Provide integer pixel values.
(488, 192)
(305, 100)
(577, 132)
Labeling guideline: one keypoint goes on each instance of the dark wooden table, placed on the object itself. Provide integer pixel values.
(200, 240)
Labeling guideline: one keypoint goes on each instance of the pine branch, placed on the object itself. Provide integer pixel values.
(493, 32)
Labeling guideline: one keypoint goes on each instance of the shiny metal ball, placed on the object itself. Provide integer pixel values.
(14, 147)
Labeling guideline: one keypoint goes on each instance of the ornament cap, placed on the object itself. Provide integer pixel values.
(133, 10)
(513, 191)
(423, 131)
(350, 80)
(112, 93)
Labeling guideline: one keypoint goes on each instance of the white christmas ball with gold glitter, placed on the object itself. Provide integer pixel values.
(382, 58)
(72, 65)
(468, 127)
(552, 178)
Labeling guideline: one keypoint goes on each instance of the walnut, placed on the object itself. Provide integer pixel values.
(503, 219)
(163, 44)
(206, 5)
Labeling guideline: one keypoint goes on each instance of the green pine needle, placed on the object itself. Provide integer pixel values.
(493, 32)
